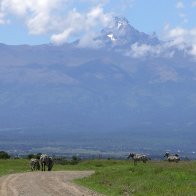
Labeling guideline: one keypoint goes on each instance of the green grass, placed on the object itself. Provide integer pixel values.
(155, 178)
(123, 178)
(13, 166)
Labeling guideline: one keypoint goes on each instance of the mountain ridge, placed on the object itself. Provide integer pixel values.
(103, 88)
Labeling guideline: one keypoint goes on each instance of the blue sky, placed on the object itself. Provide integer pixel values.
(59, 21)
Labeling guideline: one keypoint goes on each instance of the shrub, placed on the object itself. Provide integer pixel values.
(75, 160)
(30, 156)
(61, 161)
(4, 155)
(38, 155)
(35, 156)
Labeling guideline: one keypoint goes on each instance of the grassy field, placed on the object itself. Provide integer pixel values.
(123, 178)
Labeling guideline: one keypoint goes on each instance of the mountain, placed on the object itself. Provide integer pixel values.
(121, 34)
(103, 90)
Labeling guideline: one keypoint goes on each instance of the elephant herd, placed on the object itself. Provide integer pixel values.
(44, 161)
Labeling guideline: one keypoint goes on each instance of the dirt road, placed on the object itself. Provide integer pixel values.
(44, 184)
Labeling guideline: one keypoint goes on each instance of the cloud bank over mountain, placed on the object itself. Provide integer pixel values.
(65, 21)
(60, 18)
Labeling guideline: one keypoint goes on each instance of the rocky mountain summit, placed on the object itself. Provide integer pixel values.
(121, 34)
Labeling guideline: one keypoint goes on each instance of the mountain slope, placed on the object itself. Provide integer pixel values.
(99, 90)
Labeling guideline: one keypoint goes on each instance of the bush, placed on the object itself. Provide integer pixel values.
(4, 155)
(38, 155)
(30, 156)
(35, 156)
(75, 160)
(63, 161)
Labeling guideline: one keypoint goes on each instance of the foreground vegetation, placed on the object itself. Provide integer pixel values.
(114, 177)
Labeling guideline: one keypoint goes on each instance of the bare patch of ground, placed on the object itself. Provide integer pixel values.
(44, 184)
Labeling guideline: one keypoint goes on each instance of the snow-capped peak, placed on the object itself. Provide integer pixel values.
(119, 25)
(121, 22)
(111, 36)
(122, 34)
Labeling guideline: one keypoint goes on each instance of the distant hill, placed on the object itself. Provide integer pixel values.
(109, 88)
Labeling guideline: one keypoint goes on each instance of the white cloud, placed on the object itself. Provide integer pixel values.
(126, 4)
(30, 7)
(175, 38)
(184, 18)
(183, 39)
(193, 50)
(61, 37)
(145, 50)
(83, 25)
(180, 5)
(53, 17)
(180, 36)
(140, 50)
(181, 8)
(89, 41)
(37, 14)
(194, 4)
(2, 19)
